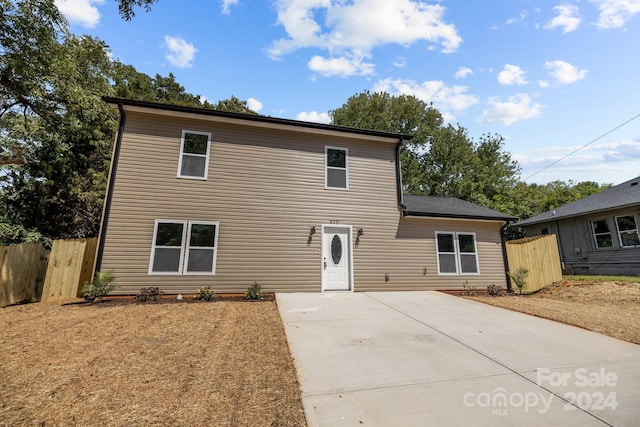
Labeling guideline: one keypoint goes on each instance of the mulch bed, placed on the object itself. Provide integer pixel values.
(610, 308)
(113, 300)
(119, 363)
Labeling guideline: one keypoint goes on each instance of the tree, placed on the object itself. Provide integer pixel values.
(126, 7)
(234, 105)
(440, 160)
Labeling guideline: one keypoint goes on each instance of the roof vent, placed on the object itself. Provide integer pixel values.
(633, 183)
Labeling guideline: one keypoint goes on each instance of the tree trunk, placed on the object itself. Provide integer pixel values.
(12, 160)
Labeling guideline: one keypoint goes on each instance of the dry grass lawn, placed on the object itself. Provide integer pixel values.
(610, 308)
(215, 364)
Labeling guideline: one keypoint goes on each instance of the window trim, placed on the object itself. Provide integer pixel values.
(153, 247)
(327, 167)
(457, 254)
(619, 233)
(595, 236)
(206, 156)
(184, 248)
(187, 246)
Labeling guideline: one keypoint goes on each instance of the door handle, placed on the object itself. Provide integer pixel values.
(325, 264)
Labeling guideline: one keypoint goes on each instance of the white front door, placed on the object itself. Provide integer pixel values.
(336, 258)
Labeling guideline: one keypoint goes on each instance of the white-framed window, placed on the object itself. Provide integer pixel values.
(194, 155)
(184, 247)
(627, 231)
(457, 253)
(602, 233)
(336, 168)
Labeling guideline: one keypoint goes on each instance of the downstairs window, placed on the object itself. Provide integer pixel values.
(456, 253)
(184, 247)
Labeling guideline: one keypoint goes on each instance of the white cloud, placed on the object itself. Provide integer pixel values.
(254, 104)
(564, 72)
(615, 13)
(463, 72)
(512, 75)
(445, 98)
(568, 18)
(521, 17)
(350, 30)
(514, 109)
(226, 5)
(314, 116)
(340, 66)
(400, 62)
(82, 12)
(181, 53)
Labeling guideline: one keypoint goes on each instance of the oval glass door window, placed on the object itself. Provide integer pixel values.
(336, 249)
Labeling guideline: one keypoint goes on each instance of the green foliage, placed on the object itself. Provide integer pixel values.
(150, 294)
(629, 279)
(126, 7)
(440, 160)
(234, 105)
(205, 294)
(254, 292)
(494, 290)
(100, 286)
(468, 289)
(519, 277)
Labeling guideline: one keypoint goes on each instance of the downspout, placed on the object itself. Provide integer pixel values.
(109, 193)
(505, 258)
(401, 205)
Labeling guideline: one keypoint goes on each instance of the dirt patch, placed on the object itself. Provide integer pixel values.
(610, 308)
(222, 363)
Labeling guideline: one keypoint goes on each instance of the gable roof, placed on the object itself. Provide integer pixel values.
(449, 207)
(248, 119)
(620, 196)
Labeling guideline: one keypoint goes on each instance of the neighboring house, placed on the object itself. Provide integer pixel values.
(597, 234)
(201, 197)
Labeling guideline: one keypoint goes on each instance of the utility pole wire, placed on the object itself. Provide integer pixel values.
(584, 146)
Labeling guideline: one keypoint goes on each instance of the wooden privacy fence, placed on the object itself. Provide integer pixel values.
(30, 273)
(22, 270)
(540, 256)
(70, 265)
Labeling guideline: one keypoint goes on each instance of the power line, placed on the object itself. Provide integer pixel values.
(584, 146)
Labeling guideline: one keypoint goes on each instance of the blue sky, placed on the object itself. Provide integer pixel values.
(549, 76)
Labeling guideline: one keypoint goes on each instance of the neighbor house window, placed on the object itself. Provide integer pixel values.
(628, 231)
(194, 155)
(457, 253)
(602, 234)
(184, 247)
(336, 161)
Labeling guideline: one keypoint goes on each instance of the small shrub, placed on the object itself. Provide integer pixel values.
(151, 294)
(254, 292)
(99, 287)
(468, 289)
(494, 290)
(205, 294)
(519, 277)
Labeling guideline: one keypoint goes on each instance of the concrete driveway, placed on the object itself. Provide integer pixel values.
(431, 359)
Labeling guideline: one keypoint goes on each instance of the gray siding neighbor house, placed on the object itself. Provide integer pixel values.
(202, 197)
(597, 234)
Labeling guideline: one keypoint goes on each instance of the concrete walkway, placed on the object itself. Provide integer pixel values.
(431, 359)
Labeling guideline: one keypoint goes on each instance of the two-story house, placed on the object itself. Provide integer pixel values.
(200, 197)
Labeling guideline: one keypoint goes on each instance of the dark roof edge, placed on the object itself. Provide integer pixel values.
(250, 117)
(459, 216)
(586, 213)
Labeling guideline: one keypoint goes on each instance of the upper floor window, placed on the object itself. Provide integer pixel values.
(184, 247)
(194, 155)
(602, 234)
(627, 231)
(457, 253)
(336, 162)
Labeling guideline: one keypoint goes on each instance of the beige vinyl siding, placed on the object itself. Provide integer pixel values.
(266, 189)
